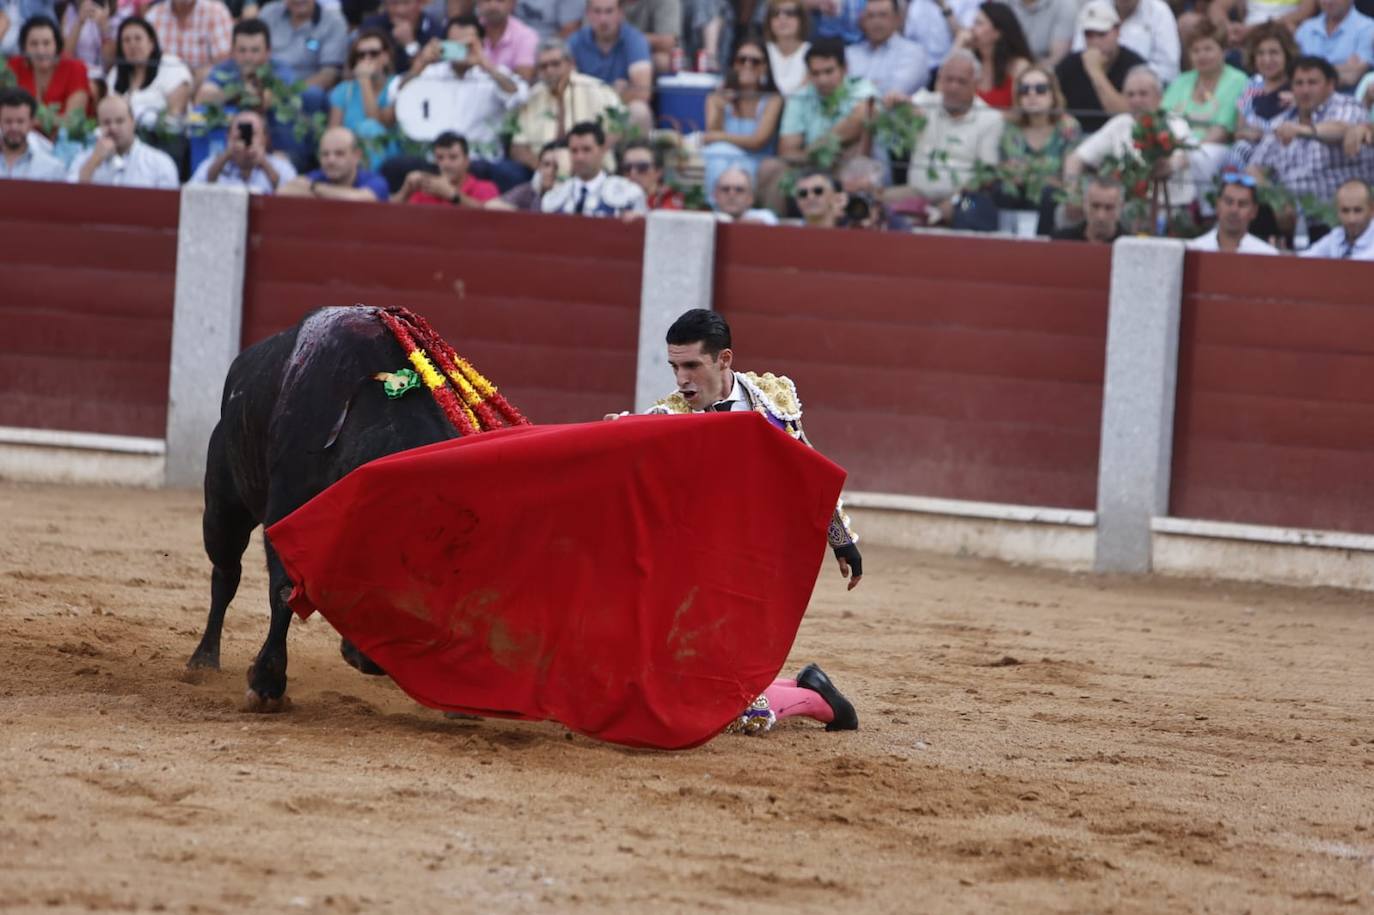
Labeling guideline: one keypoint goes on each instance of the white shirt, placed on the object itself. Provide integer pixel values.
(151, 100)
(34, 165)
(896, 65)
(1152, 32)
(789, 71)
(766, 217)
(257, 182)
(1332, 244)
(142, 166)
(472, 104)
(1114, 139)
(604, 195)
(1248, 245)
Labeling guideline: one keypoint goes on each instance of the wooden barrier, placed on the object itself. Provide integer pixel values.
(947, 366)
(86, 279)
(547, 307)
(1275, 414)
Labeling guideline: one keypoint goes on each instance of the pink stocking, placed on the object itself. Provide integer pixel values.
(786, 699)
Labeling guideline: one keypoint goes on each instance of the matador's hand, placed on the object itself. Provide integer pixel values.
(850, 561)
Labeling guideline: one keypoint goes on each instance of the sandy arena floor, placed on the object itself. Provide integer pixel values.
(1031, 742)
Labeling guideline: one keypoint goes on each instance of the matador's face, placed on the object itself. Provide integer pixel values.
(701, 378)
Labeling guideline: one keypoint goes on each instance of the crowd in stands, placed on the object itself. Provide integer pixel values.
(1244, 125)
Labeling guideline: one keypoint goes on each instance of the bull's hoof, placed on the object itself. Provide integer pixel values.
(203, 660)
(257, 703)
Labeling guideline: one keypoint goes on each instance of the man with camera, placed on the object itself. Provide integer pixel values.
(245, 161)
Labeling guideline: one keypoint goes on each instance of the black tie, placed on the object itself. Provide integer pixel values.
(581, 201)
(721, 406)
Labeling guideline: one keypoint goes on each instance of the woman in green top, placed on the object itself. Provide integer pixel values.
(1206, 95)
(1038, 137)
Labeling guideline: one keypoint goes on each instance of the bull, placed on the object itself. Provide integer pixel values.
(297, 414)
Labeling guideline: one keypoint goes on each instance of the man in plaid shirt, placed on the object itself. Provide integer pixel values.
(197, 31)
(1304, 153)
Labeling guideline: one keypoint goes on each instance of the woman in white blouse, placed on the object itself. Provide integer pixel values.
(155, 84)
(786, 27)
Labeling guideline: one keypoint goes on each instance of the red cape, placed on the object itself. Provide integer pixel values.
(640, 581)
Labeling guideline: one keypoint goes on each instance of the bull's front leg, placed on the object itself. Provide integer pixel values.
(267, 675)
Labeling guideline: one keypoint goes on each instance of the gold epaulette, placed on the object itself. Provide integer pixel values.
(778, 392)
(673, 403)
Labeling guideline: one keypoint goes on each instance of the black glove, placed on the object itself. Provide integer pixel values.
(850, 554)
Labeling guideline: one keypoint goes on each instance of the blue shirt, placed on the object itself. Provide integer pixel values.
(844, 26)
(347, 97)
(226, 72)
(1355, 35)
(34, 165)
(897, 65)
(630, 48)
(305, 50)
(365, 179)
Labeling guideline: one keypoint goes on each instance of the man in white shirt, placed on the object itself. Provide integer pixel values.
(245, 161)
(1148, 27)
(1354, 240)
(468, 95)
(590, 191)
(18, 157)
(885, 58)
(1237, 207)
(120, 157)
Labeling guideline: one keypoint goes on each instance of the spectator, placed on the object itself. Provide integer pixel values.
(997, 40)
(642, 163)
(616, 53)
(1148, 28)
(471, 96)
(1092, 79)
(528, 196)
(742, 117)
(733, 198)
(786, 25)
(366, 104)
(1355, 238)
(42, 72)
(1270, 53)
(245, 160)
(1036, 140)
(198, 32)
(1048, 26)
(661, 23)
(310, 42)
(592, 192)
(862, 179)
(454, 185)
(551, 18)
(960, 133)
(820, 199)
(1114, 140)
(88, 27)
(837, 19)
(238, 82)
(703, 27)
(1237, 207)
(410, 27)
(562, 98)
(119, 157)
(1342, 36)
(157, 85)
(1206, 98)
(508, 41)
(935, 24)
(18, 157)
(340, 175)
(831, 112)
(1103, 201)
(886, 59)
(1304, 153)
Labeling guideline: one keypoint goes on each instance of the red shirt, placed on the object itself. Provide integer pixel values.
(68, 77)
(667, 198)
(476, 188)
(998, 96)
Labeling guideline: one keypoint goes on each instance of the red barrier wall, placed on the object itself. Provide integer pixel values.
(945, 366)
(1275, 410)
(547, 307)
(86, 284)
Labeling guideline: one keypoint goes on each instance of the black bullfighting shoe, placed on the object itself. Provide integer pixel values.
(813, 678)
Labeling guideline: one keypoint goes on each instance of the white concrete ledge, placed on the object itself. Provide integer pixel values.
(994, 511)
(92, 441)
(40, 463)
(1257, 533)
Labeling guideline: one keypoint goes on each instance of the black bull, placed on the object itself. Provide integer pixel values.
(299, 411)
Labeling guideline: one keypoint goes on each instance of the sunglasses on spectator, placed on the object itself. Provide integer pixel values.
(642, 168)
(748, 60)
(370, 52)
(792, 11)
(1034, 89)
(1240, 178)
(813, 191)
